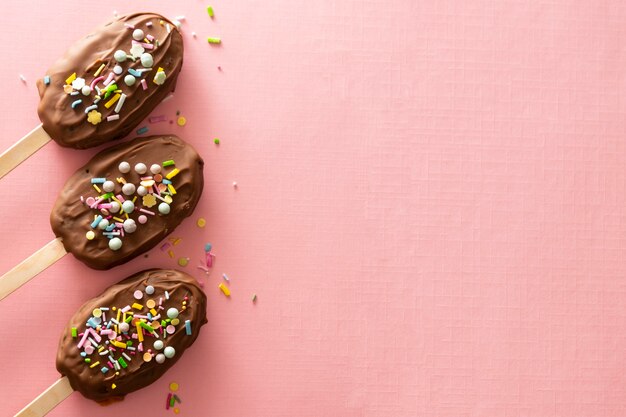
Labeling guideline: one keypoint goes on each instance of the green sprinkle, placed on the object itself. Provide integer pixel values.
(172, 402)
(209, 10)
(122, 362)
(106, 196)
(74, 333)
(87, 360)
(216, 141)
(146, 326)
(168, 163)
(128, 319)
(214, 40)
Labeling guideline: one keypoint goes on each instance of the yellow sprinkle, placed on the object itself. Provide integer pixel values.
(173, 387)
(170, 253)
(182, 121)
(175, 240)
(115, 199)
(168, 199)
(134, 199)
(172, 173)
(176, 410)
(183, 261)
(97, 189)
(121, 180)
(126, 214)
(147, 183)
(118, 219)
(147, 357)
(139, 332)
(201, 222)
(93, 365)
(90, 235)
(118, 343)
(171, 188)
(137, 306)
(70, 79)
(99, 70)
(224, 289)
(175, 322)
(153, 312)
(112, 101)
(113, 386)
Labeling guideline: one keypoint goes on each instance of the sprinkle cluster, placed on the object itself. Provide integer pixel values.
(108, 85)
(114, 336)
(118, 200)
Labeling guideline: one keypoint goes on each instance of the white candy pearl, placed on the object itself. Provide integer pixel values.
(169, 352)
(115, 243)
(115, 207)
(160, 358)
(129, 80)
(130, 226)
(172, 313)
(141, 168)
(141, 190)
(146, 60)
(128, 206)
(108, 186)
(86, 90)
(158, 344)
(155, 168)
(138, 35)
(119, 55)
(164, 208)
(128, 188)
(104, 223)
(124, 327)
(117, 70)
(124, 167)
(149, 290)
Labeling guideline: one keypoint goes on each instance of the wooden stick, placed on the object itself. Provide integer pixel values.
(31, 266)
(48, 399)
(22, 149)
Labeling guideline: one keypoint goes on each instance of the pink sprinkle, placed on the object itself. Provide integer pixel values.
(156, 119)
(144, 85)
(149, 24)
(157, 189)
(82, 199)
(140, 347)
(125, 309)
(204, 268)
(110, 364)
(109, 79)
(96, 81)
(118, 224)
(83, 339)
(129, 26)
(209, 259)
(106, 331)
(95, 203)
(113, 117)
(147, 45)
(146, 211)
(145, 178)
(119, 197)
(150, 37)
(105, 205)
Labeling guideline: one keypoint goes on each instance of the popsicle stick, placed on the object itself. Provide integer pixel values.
(22, 149)
(31, 266)
(48, 399)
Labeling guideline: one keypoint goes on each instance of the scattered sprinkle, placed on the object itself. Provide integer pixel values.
(254, 298)
(210, 11)
(216, 141)
(201, 222)
(182, 121)
(174, 387)
(142, 130)
(224, 289)
(214, 41)
(23, 78)
(225, 277)
(183, 261)
(234, 184)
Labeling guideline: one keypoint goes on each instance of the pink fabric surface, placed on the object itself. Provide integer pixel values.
(431, 208)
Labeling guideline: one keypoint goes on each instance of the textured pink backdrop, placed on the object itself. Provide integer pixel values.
(431, 208)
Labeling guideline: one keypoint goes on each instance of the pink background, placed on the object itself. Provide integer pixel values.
(431, 208)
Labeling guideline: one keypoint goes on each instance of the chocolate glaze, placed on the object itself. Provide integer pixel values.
(94, 384)
(70, 218)
(69, 127)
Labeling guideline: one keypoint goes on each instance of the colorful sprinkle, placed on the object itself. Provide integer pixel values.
(182, 121)
(214, 41)
(210, 11)
(216, 141)
(201, 222)
(142, 130)
(224, 289)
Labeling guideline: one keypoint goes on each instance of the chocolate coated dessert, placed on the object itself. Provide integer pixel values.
(127, 337)
(110, 80)
(126, 199)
